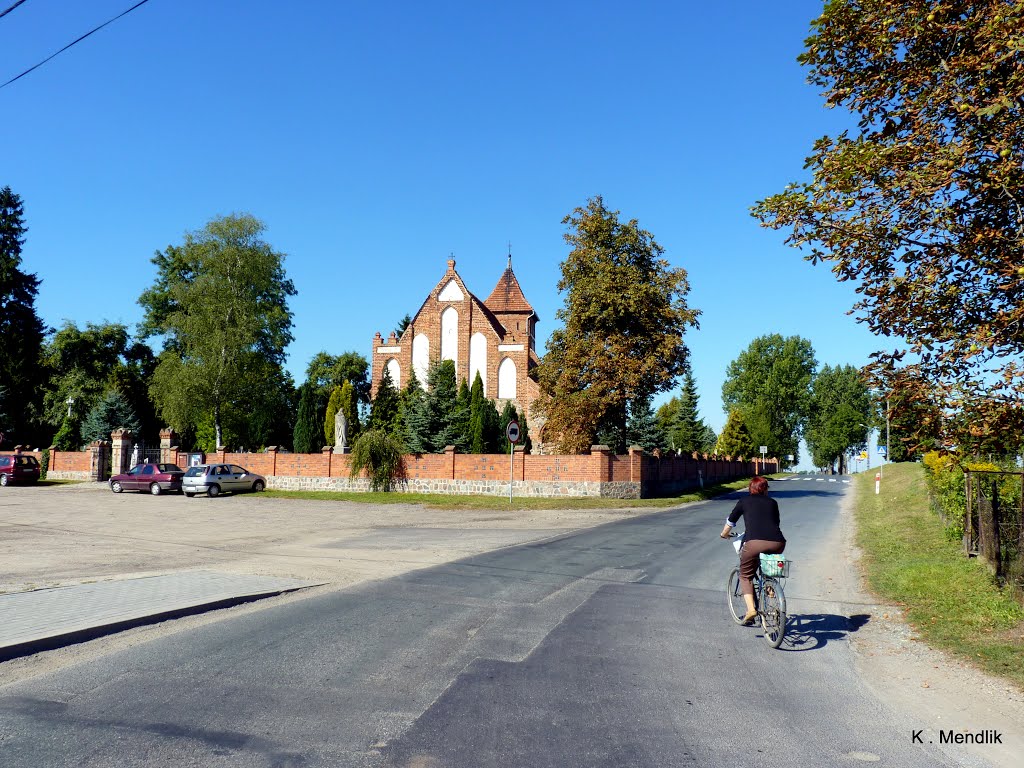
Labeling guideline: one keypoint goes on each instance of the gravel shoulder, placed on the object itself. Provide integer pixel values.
(929, 689)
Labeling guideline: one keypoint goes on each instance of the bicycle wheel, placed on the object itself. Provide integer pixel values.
(733, 595)
(773, 612)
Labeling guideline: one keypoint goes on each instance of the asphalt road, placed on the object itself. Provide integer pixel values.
(610, 647)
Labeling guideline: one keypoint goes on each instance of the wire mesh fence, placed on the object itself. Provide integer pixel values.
(994, 523)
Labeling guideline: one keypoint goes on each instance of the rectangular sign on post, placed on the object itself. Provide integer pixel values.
(881, 450)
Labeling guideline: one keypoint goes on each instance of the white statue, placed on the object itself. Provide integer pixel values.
(340, 433)
(135, 455)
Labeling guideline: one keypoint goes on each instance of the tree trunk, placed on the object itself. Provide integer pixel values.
(216, 426)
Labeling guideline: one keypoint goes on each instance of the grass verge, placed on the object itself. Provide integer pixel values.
(952, 601)
(442, 501)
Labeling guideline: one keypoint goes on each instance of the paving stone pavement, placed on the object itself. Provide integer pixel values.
(46, 615)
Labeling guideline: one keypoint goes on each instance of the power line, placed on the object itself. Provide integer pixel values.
(73, 42)
(4, 13)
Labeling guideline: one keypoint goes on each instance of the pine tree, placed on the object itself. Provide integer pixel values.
(20, 327)
(494, 432)
(306, 437)
(110, 413)
(735, 440)
(688, 429)
(461, 417)
(708, 439)
(477, 419)
(384, 414)
(441, 405)
(642, 428)
(415, 421)
(333, 406)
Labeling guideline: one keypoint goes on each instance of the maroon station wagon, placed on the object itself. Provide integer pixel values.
(155, 478)
(18, 469)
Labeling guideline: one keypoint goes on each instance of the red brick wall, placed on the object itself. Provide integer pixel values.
(70, 461)
(656, 473)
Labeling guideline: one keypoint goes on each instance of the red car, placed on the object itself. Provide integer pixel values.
(18, 469)
(155, 478)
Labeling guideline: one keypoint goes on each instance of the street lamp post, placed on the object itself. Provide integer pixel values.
(887, 458)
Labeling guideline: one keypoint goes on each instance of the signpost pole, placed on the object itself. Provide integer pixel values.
(512, 433)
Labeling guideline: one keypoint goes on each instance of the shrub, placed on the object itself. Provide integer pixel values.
(44, 461)
(948, 488)
(381, 456)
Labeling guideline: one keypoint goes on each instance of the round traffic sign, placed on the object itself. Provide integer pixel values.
(512, 431)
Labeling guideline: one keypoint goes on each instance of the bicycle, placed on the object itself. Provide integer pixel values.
(769, 595)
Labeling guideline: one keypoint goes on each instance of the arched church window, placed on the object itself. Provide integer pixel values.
(450, 336)
(506, 379)
(421, 358)
(478, 359)
(395, 371)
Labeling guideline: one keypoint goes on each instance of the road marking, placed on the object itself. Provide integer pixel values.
(832, 480)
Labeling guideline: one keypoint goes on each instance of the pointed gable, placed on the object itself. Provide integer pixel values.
(507, 296)
(451, 289)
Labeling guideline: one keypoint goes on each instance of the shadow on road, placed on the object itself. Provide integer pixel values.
(811, 631)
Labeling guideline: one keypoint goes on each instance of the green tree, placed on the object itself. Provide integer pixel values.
(840, 412)
(708, 440)
(440, 407)
(920, 204)
(642, 428)
(679, 421)
(461, 418)
(21, 330)
(220, 302)
(477, 436)
(350, 408)
(113, 411)
(384, 413)
(69, 436)
(380, 455)
(402, 325)
(84, 364)
(333, 406)
(735, 439)
(306, 437)
(770, 382)
(624, 318)
(330, 371)
(416, 426)
(667, 415)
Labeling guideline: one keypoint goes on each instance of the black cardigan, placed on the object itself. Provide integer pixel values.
(761, 515)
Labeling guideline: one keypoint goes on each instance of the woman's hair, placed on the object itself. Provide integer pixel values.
(758, 485)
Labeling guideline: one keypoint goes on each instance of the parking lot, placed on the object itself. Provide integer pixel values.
(69, 534)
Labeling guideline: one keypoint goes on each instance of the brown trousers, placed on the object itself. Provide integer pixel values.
(750, 559)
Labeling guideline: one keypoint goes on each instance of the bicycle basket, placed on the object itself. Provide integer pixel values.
(775, 565)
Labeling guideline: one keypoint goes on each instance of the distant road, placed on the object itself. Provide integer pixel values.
(610, 647)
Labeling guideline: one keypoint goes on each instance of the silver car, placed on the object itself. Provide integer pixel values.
(215, 479)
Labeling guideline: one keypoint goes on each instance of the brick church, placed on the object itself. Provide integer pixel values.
(495, 337)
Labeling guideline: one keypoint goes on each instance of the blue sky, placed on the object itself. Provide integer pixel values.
(375, 139)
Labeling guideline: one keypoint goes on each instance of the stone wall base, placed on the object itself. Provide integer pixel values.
(68, 474)
(521, 488)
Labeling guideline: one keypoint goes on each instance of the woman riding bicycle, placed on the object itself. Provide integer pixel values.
(763, 536)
